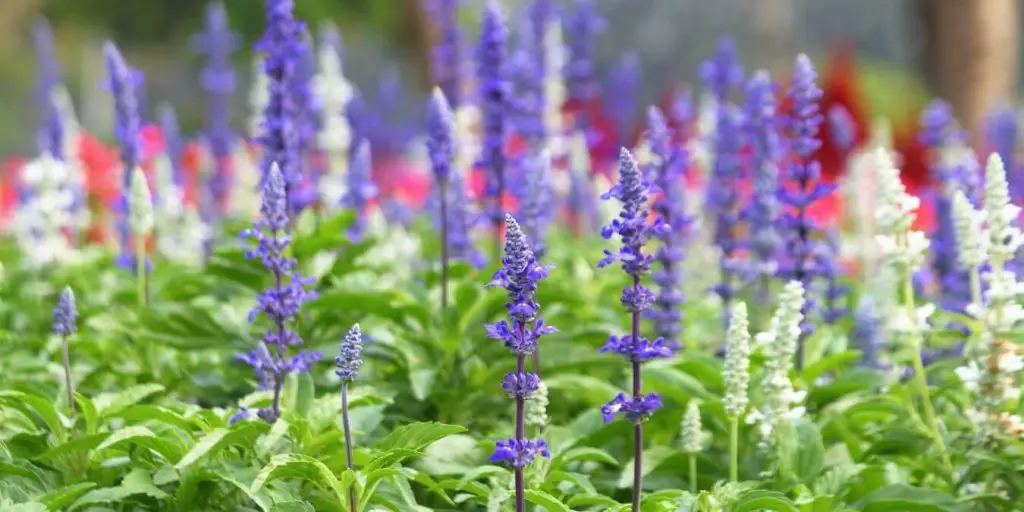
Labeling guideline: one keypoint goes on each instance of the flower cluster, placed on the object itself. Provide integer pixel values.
(903, 249)
(447, 56)
(519, 276)
(123, 83)
(582, 26)
(282, 46)
(779, 344)
(736, 373)
(217, 42)
(350, 358)
(535, 209)
(65, 315)
(667, 168)
(692, 433)
(762, 212)
(360, 189)
(281, 302)
(50, 136)
(493, 91)
(803, 187)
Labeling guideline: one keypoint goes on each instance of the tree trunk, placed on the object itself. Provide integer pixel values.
(970, 54)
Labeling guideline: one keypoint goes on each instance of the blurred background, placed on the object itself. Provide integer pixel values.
(907, 51)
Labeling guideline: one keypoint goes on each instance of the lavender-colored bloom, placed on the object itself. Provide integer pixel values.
(447, 56)
(582, 200)
(50, 137)
(386, 127)
(350, 351)
(762, 213)
(868, 332)
(843, 128)
(581, 28)
(939, 133)
(833, 307)
(636, 409)
(646, 350)
(667, 174)
(536, 210)
(123, 83)
(493, 93)
(803, 187)
(722, 72)
(632, 226)
(440, 136)
(65, 315)
(461, 221)
(519, 453)
(519, 276)
(622, 93)
(217, 42)
(172, 142)
(361, 189)
(281, 302)
(1003, 131)
(282, 45)
(527, 69)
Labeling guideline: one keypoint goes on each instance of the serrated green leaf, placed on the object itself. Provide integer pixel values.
(581, 454)
(135, 483)
(549, 502)
(417, 436)
(800, 450)
(88, 411)
(35, 407)
(142, 436)
(904, 498)
(304, 468)
(109, 404)
(77, 445)
(760, 500)
(57, 499)
(142, 413)
(292, 506)
(828, 364)
(214, 441)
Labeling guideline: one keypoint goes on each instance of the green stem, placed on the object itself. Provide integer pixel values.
(919, 375)
(975, 278)
(693, 473)
(140, 268)
(734, 449)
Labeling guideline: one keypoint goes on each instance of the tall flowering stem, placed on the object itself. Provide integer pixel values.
(360, 189)
(904, 250)
(279, 303)
(582, 26)
(737, 378)
(762, 213)
(493, 91)
(50, 135)
(141, 206)
(519, 276)
(721, 74)
(348, 362)
(449, 48)
(1003, 131)
(803, 187)
(217, 42)
(282, 47)
(123, 83)
(65, 316)
(667, 167)
(634, 230)
(441, 149)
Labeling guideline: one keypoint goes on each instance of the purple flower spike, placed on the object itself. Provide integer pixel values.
(65, 315)
(803, 188)
(440, 136)
(844, 129)
(282, 45)
(762, 213)
(581, 28)
(536, 210)
(361, 189)
(172, 142)
(123, 84)
(217, 42)
(518, 453)
(636, 410)
(350, 358)
(449, 49)
(1002, 132)
(493, 93)
(667, 174)
(50, 137)
(280, 303)
(623, 90)
(519, 276)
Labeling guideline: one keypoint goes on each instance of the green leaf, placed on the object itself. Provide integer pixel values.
(135, 483)
(277, 432)
(88, 411)
(653, 456)
(391, 457)
(417, 436)
(292, 506)
(549, 502)
(582, 454)
(301, 467)
(214, 441)
(589, 389)
(36, 408)
(242, 480)
(109, 404)
(760, 500)
(142, 436)
(230, 264)
(828, 364)
(142, 413)
(75, 446)
(57, 499)
(12, 469)
(801, 451)
(299, 393)
(904, 498)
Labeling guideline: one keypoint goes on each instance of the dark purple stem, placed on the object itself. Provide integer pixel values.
(444, 245)
(520, 433)
(800, 272)
(67, 375)
(638, 428)
(348, 439)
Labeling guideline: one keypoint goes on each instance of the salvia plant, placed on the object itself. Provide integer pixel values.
(869, 358)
